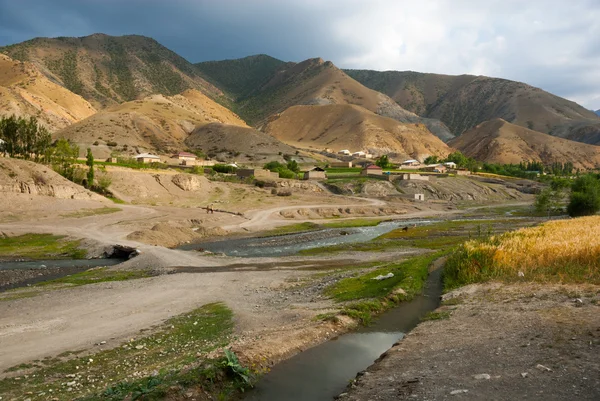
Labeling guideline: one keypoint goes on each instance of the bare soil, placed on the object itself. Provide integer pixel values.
(500, 342)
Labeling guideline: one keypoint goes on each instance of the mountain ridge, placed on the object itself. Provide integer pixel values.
(498, 141)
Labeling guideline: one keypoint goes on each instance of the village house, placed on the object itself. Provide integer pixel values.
(147, 158)
(413, 176)
(450, 164)
(345, 152)
(184, 156)
(411, 163)
(316, 173)
(359, 154)
(435, 168)
(372, 169)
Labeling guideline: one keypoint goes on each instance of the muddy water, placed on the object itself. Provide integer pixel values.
(323, 372)
(286, 245)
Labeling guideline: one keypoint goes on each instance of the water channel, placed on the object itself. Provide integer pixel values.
(323, 372)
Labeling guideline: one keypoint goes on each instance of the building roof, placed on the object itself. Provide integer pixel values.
(373, 167)
(147, 156)
(410, 161)
(316, 169)
(184, 154)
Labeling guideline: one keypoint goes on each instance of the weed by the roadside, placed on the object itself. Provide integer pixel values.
(149, 367)
(40, 246)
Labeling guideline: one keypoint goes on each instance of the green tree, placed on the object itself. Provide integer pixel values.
(458, 158)
(23, 137)
(431, 160)
(90, 163)
(292, 165)
(383, 162)
(63, 156)
(585, 196)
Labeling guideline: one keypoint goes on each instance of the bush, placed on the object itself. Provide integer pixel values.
(284, 193)
(224, 168)
(585, 196)
(111, 144)
(285, 173)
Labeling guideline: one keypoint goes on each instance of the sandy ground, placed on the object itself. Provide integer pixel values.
(512, 342)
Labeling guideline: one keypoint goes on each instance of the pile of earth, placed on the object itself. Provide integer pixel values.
(171, 234)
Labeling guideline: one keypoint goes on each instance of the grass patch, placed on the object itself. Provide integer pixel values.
(40, 246)
(97, 275)
(116, 200)
(352, 223)
(175, 352)
(93, 212)
(309, 226)
(290, 229)
(372, 297)
(436, 315)
(562, 251)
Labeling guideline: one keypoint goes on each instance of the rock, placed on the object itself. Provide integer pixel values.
(482, 376)
(139, 347)
(382, 277)
(456, 392)
(578, 302)
(524, 375)
(521, 274)
(543, 368)
(399, 291)
(69, 384)
(186, 182)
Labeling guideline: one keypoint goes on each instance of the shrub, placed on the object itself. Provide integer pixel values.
(111, 144)
(224, 168)
(585, 196)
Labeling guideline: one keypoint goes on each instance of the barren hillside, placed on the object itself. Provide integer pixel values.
(157, 123)
(24, 91)
(311, 82)
(352, 127)
(463, 101)
(498, 141)
(107, 70)
(247, 143)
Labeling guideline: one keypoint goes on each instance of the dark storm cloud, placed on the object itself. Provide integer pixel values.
(551, 44)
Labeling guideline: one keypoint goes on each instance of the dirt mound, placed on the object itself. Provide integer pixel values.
(20, 176)
(498, 141)
(356, 128)
(171, 234)
(24, 91)
(186, 182)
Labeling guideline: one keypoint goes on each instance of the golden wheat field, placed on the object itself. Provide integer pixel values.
(556, 251)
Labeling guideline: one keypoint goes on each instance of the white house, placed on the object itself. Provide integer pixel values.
(450, 164)
(359, 154)
(411, 162)
(344, 152)
(147, 158)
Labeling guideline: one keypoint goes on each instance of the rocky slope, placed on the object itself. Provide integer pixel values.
(107, 70)
(156, 123)
(462, 102)
(24, 91)
(498, 141)
(339, 126)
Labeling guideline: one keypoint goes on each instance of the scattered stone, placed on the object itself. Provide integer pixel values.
(578, 302)
(482, 376)
(102, 342)
(139, 347)
(521, 274)
(543, 368)
(456, 392)
(69, 384)
(524, 375)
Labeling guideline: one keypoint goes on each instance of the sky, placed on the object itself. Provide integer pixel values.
(551, 44)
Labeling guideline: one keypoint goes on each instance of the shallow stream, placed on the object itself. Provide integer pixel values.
(324, 371)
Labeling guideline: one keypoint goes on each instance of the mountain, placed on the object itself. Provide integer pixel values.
(239, 78)
(498, 141)
(597, 112)
(156, 123)
(108, 70)
(462, 102)
(310, 82)
(343, 126)
(24, 91)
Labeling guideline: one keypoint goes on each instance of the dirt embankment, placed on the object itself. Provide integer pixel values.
(20, 176)
(171, 234)
(493, 342)
(335, 212)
